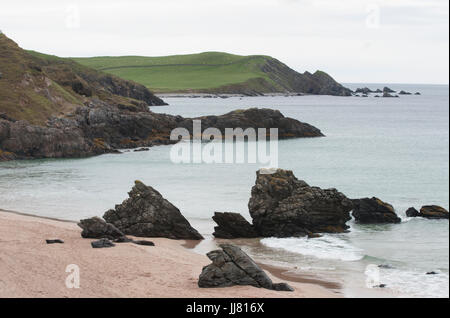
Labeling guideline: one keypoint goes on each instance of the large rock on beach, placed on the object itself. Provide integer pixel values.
(231, 266)
(283, 206)
(374, 211)
(147, 214)
(97, 228)
(232, 225)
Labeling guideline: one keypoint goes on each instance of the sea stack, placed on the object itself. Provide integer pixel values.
(283, 206)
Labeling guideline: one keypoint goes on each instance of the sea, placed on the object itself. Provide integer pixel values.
(396, 149)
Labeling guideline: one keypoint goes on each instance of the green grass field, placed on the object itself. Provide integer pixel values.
(204, 72)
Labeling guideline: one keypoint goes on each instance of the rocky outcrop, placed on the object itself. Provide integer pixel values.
(412, 213)
(147, 214)
(388, 90)
(232, 225)
(374, 211)
(100, 128)
(96, 228)
(364, 90)
(231, 266)
(402, 92)
(283, 206)
(256, 118)
(433, 212)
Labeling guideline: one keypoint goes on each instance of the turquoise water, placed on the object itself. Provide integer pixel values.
(395, 149)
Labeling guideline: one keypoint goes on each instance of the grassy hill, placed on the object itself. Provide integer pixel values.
(215, 72)
(35, 87)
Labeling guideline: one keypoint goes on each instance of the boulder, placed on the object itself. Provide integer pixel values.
(232, 225)
(55, 241)
(404, 93)
(102, 243)
(374, 211)
(231, 266)
(144, 243)
(96, 228)
(412, 213)
(433, 212)
(386, 94)
(388, 90)
(147, 214)
(417, 93)
(283, 206)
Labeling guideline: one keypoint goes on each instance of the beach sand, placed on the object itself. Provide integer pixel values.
(31, 268)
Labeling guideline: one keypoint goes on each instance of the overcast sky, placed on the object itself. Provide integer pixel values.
(376, 41)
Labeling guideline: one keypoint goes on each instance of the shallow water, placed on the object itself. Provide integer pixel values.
(396, 149)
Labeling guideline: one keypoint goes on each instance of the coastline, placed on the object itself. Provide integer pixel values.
(31, 268)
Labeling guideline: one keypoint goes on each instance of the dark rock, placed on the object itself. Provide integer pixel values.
(364, 90)
(57, 241)
(97, 228)
(412, 213)
(373, 211)
(142, 149)
(432, 273)
(388, 90)
(404, 93)
(144, 243)
(123, 239)
(102, 243)
(378, 91)
(386, 94)
(283, 206)
(433, 212)
(381, 286)
(282, 287)
(232, 225)
(147, 214)
(256, 118)
(417, 93)
(386, 266)
(231, 266)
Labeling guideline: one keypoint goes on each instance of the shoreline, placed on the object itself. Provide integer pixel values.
(31, 268)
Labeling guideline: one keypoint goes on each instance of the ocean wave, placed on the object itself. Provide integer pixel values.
(325, 247)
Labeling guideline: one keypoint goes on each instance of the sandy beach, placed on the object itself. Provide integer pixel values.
(31, 268)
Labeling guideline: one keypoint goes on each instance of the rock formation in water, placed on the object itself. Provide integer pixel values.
(373, 211)
(412, 212)
(147, 214)
(283, 206)
(430, 212)
(232, 225)
(231, 266)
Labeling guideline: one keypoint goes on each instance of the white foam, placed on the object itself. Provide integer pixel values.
(326, 247)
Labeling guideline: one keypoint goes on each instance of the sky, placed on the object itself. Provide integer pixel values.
(355, 41)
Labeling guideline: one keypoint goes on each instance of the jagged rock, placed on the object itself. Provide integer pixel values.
(404, 93)
(364, 90)
(388, 90)
(231, 266)
(232, 225)
(97, 228)
(102, 243)
(283, 206)
(147, 214)
(56, 241)
(412, 213)
(378, 91)
(433, 212)
(373, 211)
